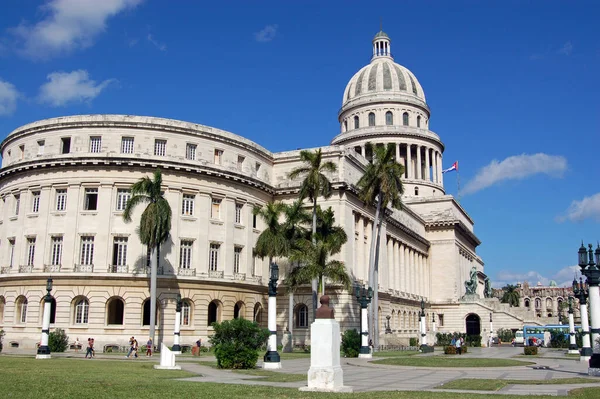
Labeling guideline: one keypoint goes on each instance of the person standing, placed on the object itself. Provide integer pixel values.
(149, 348)
(77, 345)
(89, 349)
(131, 340)
(458, 344)
(135, 348)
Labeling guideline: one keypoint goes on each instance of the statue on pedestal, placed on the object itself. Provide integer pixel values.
(487, 291)
(471, 284)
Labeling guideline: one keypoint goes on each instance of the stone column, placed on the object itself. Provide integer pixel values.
(409, 168)
(398, 153)
(390, 263)
(401, 285)
(362, 151)
(441, 167)
(360, 257)
(427, 166)
(419, 170)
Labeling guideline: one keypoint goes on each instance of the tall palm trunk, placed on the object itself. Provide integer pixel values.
(314, 282)
(376, 292)
(373, 282)
(153, 272)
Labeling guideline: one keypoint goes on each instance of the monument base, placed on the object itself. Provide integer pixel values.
(271, 365)
(159, 367)
(573, 352)
(43, 356)
(167, 359)
(365, 356)
(584, 359)
(470, 298)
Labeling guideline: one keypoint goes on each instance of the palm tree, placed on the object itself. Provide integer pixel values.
(272, 241)
(381, 185)
(334, 236)
(154, 227)
(511, 295)
(315, 184)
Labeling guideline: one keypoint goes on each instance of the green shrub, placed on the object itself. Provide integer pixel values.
(445, 339)
(237, 342)
(558, 340)
(449, 350)
(58, 341)
(473, 340)
(505, 334)
(413, 341)
(351, 343)
(530, 350)
(204, 349)
(109, 349)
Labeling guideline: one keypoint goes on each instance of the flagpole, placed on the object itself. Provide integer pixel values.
(457, 186)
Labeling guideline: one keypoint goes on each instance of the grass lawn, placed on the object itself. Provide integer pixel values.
(273, 376)
(476, 384)
(395, 353)
(81, 379)
(442, 361)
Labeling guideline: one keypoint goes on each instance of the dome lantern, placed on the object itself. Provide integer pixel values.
(381, 46)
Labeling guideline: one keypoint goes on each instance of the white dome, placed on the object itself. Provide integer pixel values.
(383, 76)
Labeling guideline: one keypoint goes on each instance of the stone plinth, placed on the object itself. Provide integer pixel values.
(286, 342)
(167, 359)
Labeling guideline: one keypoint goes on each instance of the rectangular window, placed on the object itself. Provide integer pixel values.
(441, 319)
(240, 162)
(35, 201)
(123, 196)
(253, 221)
(218, 157)
(187, 205)
(17, 203)
(215, 210)
(56, 255)
(11, 251)
(160, 147)
(95, 144)
(190, 152)
(91, 199)
(185, 254)
(213, 257)
(87, 250)
(65, 145)
(237, 258)
(41, 145)
(127, 145)
(30, 251)
(238, 213)
(119, 251)
(61, 200)
(22, 151)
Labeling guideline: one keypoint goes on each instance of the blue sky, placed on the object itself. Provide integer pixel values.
(513, 89)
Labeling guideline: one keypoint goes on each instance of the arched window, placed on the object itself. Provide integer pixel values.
(371, 119)
(186, 313)
(257, 313)
(548, 303)
(115, 311)
(389, 118)
(21, 310)
(416, 191)
(419, 121)
(238, 310)
(146, 313)
(527, 303)
(82, 310)
(345, 126)
(538, 303)
(301, 316)
(213, 312)
(405, 119)
(356, 123)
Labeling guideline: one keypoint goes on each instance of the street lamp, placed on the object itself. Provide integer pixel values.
(592, 274)
(43, 351)
(433, 325)
(388, 329)
(176, 331)
(364, 296)
(272, 359)
(580, 291)
(572, 344)
(423, 327)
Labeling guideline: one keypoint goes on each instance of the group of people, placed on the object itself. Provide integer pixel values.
(90, 349)
(133, 347)
(458, 343)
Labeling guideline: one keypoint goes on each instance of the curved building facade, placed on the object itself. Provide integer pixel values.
(64, 183)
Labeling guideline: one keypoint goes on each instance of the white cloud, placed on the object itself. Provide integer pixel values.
(158, 45)
(68, 87)
(566, 49)
(8, 98)
(563, 278)
(67, 25)
(516, 167)
(587, 208)
(266, 34)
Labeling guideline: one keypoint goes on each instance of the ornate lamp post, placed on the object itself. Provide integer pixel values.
(433, 325)
(388, 329)
(572, 344)
(423, 326)
(592, 274)
(581, 293)
(364, 296)
(272, 359)
(176, 331)
(43, 351)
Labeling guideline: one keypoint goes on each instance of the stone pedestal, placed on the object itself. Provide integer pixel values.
(167, 359)
(325, 373)
(286, 342)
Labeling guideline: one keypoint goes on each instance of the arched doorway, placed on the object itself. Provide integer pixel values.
(473, 324)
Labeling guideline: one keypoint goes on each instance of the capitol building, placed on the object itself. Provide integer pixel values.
(64, 183)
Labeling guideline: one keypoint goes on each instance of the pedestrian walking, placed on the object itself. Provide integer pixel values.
(458, 345)
(131, 340)
(89, 350)
(149, 348)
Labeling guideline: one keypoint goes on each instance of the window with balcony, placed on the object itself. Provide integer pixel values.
(127, 145)
(185, 254)
(119, 251)
(190, 152)
(123, 196)
(215, 210)
(61, 200)
(87, 250)
(56, 248)
(218, 157)
(35, 201)
(91, 199)
(213, 257)
(65, 145)
(237, 258)
(160, 147)
(187, 205)
(95, 144)
(30, 250)
(238, 213)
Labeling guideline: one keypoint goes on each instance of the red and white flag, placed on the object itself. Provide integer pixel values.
(451, 168)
